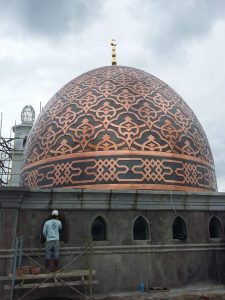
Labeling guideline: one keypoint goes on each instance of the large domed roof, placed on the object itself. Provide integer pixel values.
(118, 127)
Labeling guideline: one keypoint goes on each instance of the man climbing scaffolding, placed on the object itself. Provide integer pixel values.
(51, 233)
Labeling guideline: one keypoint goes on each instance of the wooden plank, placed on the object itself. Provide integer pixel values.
(49, 284)
(76, 273)
(3, 278)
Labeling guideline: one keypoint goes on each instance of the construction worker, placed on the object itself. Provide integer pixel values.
(51, 233)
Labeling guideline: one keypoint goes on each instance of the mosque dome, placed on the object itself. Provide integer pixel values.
(118, 127)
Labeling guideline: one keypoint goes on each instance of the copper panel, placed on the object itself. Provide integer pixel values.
(102, 119)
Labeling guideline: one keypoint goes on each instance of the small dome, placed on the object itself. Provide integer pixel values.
(28, 114)
(118, 127)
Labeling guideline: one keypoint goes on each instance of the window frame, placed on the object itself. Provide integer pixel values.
(187, 233)
(222, 226)
(106, 228)
(148, 229)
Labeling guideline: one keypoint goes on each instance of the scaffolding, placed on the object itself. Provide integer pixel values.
(61, 278)
(6, 147)
(11, 149)
(6, 153)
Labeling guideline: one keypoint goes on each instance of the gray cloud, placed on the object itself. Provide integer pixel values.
(49, 18)
(45, 43)
(171, 25)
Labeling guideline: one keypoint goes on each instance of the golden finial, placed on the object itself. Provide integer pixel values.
(113, 45)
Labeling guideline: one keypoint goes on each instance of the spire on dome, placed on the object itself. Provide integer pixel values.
(113, 44)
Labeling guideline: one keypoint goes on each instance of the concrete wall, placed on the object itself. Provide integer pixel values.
(121, 263)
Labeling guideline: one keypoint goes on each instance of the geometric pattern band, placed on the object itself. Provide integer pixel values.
(121, 171)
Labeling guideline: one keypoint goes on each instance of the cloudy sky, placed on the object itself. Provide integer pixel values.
(46, 43)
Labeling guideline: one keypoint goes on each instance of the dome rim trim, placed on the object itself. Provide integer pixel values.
(117, 153)
(141, 186)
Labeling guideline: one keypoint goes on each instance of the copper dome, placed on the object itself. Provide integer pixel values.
(118, 127)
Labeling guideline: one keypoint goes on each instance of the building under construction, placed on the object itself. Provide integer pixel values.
(128, 166)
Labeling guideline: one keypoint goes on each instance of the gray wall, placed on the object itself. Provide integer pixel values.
(121, 263)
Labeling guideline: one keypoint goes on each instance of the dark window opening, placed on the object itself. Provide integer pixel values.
(215, 228)
(98, 229)
(140, 229)
(63, 233)
(24, 141)
(179, 229)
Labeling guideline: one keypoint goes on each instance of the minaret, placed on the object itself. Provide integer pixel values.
(21, 133)
(113, 44)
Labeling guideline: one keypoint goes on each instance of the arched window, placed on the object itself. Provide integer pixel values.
(179, 229)
(63, 234)
(215, 228)
(140, 229)
(98, 229)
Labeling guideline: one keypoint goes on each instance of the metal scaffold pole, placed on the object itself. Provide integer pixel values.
(90, 268)
(17, 260)
(6, 149)
(1, 125)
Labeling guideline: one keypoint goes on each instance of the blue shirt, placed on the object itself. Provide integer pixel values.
(51, 230)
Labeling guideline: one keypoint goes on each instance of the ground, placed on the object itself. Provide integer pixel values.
(208, 292)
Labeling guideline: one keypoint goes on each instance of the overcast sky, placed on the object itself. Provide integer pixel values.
(46, 43)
